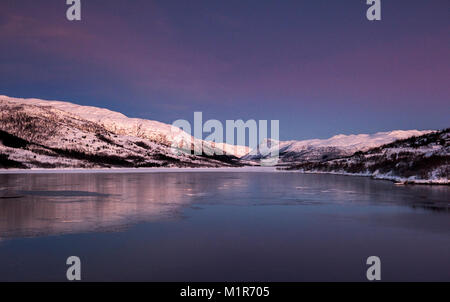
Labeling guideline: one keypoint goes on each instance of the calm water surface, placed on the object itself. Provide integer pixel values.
(209, 226)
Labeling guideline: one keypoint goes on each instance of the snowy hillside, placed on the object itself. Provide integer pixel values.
(335, 147)
(422, 159)
(120, 124)
(36, 133)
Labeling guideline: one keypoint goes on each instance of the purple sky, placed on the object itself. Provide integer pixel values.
(318, 66)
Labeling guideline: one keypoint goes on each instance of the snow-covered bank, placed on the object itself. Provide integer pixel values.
(396, 179)
(141, 170)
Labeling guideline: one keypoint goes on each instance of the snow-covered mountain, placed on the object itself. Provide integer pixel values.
(38, 133)
(52, 134)
(120, 124)
(325, 149)
(422, 159)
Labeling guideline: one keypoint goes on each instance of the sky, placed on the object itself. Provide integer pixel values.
(319, 67)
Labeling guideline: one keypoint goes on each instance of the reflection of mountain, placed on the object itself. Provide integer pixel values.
(66, 210)
(51, 204)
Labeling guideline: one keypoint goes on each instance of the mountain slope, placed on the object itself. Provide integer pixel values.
(335, 147)
(36, 133)
(120, 124)
(422, 159)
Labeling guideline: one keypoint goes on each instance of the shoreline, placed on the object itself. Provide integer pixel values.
(136, 170)
(249, 169)
(397, 180)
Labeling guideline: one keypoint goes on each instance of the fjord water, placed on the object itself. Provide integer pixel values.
(211, 226)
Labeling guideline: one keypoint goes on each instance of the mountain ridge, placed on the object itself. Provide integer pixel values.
(421, 159)
(40, 134)
(322, 149)
(119, 123)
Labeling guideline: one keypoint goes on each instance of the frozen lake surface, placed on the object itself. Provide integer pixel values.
(200, 225)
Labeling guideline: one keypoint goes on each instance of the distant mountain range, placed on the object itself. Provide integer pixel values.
(326, 149)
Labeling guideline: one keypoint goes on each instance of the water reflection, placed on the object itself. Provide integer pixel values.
(49, 204)
(54, 204)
